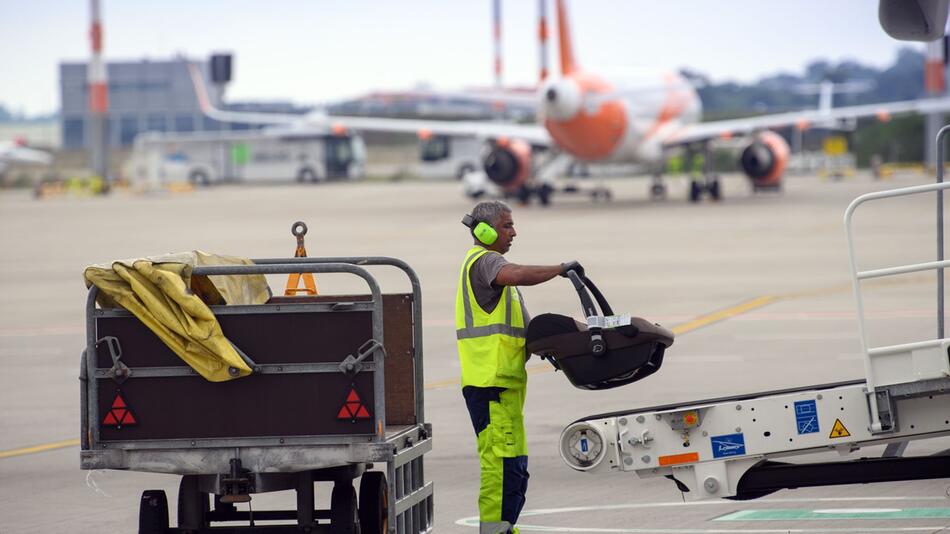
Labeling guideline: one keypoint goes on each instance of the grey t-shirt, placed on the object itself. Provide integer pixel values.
(483, 274)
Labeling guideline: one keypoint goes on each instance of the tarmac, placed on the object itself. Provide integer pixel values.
(757, 287)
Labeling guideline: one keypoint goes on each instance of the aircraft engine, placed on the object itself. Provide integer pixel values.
(508, 163)
(561, 99)
(765, 159)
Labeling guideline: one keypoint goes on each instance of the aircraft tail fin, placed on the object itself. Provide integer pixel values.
(568, 65)
(543, 39)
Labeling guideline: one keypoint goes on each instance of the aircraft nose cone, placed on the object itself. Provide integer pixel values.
(550, 94)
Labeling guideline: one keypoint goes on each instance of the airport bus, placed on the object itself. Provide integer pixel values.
(446, 157)
(265, 155)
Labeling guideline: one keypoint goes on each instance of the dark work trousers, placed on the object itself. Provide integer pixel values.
(497, 417)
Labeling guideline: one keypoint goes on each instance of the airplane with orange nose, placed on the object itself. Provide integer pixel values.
(586, 118)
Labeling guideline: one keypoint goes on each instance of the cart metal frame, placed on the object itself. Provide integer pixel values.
(274, 462)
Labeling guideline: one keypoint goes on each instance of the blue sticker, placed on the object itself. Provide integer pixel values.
(806, 417)
(728, 445)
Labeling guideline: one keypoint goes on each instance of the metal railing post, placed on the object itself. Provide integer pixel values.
(940, 157)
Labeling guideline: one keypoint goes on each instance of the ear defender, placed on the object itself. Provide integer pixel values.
(481, 230)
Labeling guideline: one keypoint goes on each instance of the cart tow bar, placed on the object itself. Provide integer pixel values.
(236, 485)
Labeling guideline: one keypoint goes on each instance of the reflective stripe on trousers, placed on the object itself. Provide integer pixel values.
(497, 419)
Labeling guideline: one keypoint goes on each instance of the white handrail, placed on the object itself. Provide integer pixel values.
(856, 278)
(903, 269)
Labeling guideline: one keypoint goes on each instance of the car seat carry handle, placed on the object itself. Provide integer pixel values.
(597, 344)
(586, 303)
(601, 301)
(582, 285)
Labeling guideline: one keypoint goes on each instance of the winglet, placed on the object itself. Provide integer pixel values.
(200, 90)
(568, 65)
(204, 102)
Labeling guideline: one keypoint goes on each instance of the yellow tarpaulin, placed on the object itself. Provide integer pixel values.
(159, 291)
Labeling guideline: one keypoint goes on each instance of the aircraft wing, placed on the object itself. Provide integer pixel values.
(532, 133)
(711, 130)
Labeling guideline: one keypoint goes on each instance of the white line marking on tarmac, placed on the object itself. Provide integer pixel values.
(858, 510)
(473, 521)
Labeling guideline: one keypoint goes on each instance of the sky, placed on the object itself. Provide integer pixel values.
(313, 51)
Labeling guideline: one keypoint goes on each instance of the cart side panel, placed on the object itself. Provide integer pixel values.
(277, 405)
(267, 338)
(400, 367)
(286, 403)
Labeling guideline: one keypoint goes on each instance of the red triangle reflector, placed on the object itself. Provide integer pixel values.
(344, 413)
(362, 413)
(119, 413)
(110, 420)
(353, 397)
(128, 419)
(118, 402)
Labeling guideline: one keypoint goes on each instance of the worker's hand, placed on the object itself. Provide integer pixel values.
(572, 266)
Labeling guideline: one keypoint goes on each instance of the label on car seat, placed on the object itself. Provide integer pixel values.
(613, 321)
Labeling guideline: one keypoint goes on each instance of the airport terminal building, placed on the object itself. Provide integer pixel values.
(144, 96)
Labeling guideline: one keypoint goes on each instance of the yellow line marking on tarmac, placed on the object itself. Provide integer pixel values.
(722, 315)
(39, 448)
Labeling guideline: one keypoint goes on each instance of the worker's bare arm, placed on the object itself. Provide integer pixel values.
(513, 274)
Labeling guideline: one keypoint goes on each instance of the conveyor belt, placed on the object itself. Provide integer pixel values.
(673, 407)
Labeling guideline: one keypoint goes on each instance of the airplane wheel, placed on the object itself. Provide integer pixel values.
(523, 195)
(658, 190)
(695, 191)
(714, 191)
(544, 194)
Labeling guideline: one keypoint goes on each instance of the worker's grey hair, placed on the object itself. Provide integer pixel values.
(490, 211)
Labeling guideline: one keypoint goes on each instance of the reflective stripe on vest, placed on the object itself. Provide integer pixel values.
(472, 331)
(491, 346)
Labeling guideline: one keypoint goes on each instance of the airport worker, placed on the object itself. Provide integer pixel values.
(699, 161)
(490, 323)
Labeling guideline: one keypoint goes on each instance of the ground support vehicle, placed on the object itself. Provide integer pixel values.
(268, 155)
(330, 399)
(737, 447)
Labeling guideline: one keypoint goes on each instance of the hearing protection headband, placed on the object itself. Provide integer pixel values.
(481, 230)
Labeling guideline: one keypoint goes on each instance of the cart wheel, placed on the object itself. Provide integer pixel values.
(344, 517)
(193, 505)
(153, 512)
(374, 503)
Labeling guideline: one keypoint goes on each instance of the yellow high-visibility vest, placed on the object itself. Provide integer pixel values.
(491, 345)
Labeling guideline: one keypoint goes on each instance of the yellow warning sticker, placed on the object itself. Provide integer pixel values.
(839, 431)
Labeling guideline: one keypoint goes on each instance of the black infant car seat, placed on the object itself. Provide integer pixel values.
(595, 355)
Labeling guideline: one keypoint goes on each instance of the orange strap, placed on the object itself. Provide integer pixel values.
(293, 280)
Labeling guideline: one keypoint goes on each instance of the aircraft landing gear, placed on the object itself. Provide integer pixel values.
(709, 183)
(710, 186)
